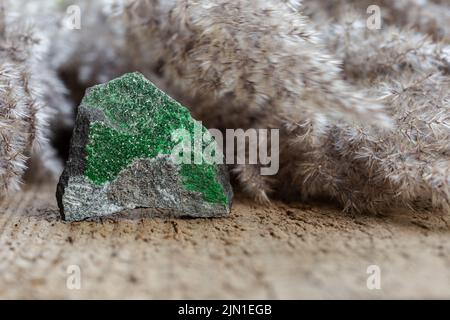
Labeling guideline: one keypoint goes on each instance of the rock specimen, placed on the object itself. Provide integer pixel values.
(122, 157)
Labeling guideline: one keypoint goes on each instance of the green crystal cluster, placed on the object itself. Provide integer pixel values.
(141, 119)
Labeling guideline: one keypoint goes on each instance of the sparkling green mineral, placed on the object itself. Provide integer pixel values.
(122, 156)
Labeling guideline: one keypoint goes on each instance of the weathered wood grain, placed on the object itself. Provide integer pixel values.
(283, 251)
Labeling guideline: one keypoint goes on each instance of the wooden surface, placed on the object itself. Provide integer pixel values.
(283, 251)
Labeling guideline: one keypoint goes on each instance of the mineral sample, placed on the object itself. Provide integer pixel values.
(122, 156)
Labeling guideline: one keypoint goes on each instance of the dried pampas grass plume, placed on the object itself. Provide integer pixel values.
(245, 66)
(31, 98)
(363, 114)
(265, 65)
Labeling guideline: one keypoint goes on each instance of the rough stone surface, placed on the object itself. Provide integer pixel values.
(121, 157)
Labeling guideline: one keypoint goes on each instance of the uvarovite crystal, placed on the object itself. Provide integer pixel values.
(121, 156)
